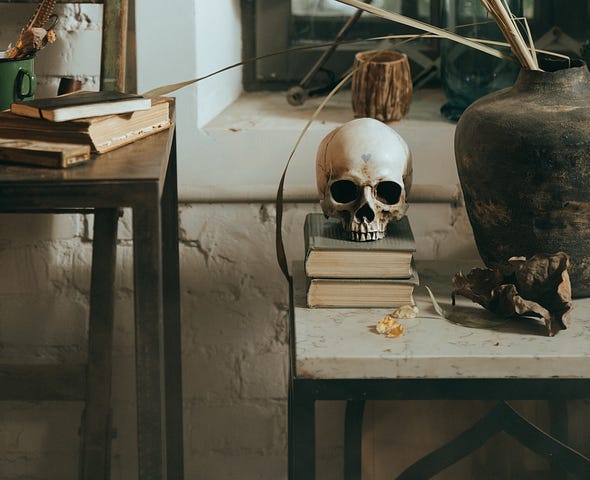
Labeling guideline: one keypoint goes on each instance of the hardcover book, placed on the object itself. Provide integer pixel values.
(43, 154)
(103, 133)
(361, 292)
(329, 253)
(81, 105)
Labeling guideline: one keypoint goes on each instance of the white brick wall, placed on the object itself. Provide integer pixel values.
(234, 317)
(75, 53)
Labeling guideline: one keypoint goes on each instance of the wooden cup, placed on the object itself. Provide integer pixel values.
(381, 85)
(68, 85)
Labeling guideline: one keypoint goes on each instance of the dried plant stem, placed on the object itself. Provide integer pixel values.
(42, 13)
(512, 34)
(425, 27)
(28, 42)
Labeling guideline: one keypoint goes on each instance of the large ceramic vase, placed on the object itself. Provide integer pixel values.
(523, 158)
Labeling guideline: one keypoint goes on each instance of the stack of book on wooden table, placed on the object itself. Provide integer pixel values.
(63, 131)
(348, 274)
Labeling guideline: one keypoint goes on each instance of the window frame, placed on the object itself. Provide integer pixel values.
(266, 27)
(271, 21)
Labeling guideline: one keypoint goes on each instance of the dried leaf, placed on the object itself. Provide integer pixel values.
(538, 287)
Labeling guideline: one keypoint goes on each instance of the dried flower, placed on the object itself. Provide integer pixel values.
(36, 34)
(389, 325)
(538, 287)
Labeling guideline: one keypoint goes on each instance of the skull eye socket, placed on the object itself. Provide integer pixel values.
(388, 192)
(344, 191)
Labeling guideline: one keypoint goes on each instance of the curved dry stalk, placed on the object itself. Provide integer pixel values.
(279, 244)
(537, 50)
(507, 25)
(425, 27)
(529, 37)
(167, 89)
(280, 247)
(431, 32)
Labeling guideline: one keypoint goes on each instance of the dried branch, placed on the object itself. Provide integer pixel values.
(36, 34)
(425, 27)
(511, 32)
(42, 13)
(503, 17)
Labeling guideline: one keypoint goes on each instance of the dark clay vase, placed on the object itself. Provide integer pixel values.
(523, 158)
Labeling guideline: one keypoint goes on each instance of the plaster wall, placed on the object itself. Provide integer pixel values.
(234, 299)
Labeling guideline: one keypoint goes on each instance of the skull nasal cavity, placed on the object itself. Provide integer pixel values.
(388, 192)
(365, 212)
(344, 191)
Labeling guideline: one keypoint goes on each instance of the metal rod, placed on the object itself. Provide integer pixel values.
(297, 95)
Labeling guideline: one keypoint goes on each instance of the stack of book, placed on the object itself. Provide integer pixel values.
(348, 274)
(63, 131)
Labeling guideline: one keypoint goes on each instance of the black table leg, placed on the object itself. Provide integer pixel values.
(149, 350)
(353, 436)
(558, 415)
(96, 424)
(172, 328)
(302, 415)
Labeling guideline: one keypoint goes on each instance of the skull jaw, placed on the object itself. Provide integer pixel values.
(364, 231)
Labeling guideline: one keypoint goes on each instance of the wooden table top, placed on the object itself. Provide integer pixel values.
(117, 178)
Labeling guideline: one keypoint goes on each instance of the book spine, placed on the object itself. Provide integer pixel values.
(308, 240)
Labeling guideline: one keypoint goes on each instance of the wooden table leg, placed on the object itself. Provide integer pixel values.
(149, 351)
(96, 424)
(172, 331)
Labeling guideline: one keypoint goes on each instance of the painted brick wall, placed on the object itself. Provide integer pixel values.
(234, 317)
(76, 52)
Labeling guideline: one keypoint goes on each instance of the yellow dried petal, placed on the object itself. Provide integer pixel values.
(405, 311)
(389, 326)
(385, 324)
(395, 331)
(51, 36)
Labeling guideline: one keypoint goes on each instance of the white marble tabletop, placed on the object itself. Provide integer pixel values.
(343, 343)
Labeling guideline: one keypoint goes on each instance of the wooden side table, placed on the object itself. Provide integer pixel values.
(336, 354)
(140, 176)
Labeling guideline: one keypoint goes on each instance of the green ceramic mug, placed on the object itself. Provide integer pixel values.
(17, 81)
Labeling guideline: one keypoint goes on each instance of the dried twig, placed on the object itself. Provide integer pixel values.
(34, 36)
(509, 28)
(42, 13)
(425, 27)
(499, 11)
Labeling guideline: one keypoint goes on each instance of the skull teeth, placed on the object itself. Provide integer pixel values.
(365, 236)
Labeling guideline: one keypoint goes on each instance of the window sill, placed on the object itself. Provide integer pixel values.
(243, 151)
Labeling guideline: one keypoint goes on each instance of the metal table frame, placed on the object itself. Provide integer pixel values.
(140, 176)
(304, 392)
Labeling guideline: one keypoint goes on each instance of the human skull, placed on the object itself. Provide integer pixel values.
(364, 175)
